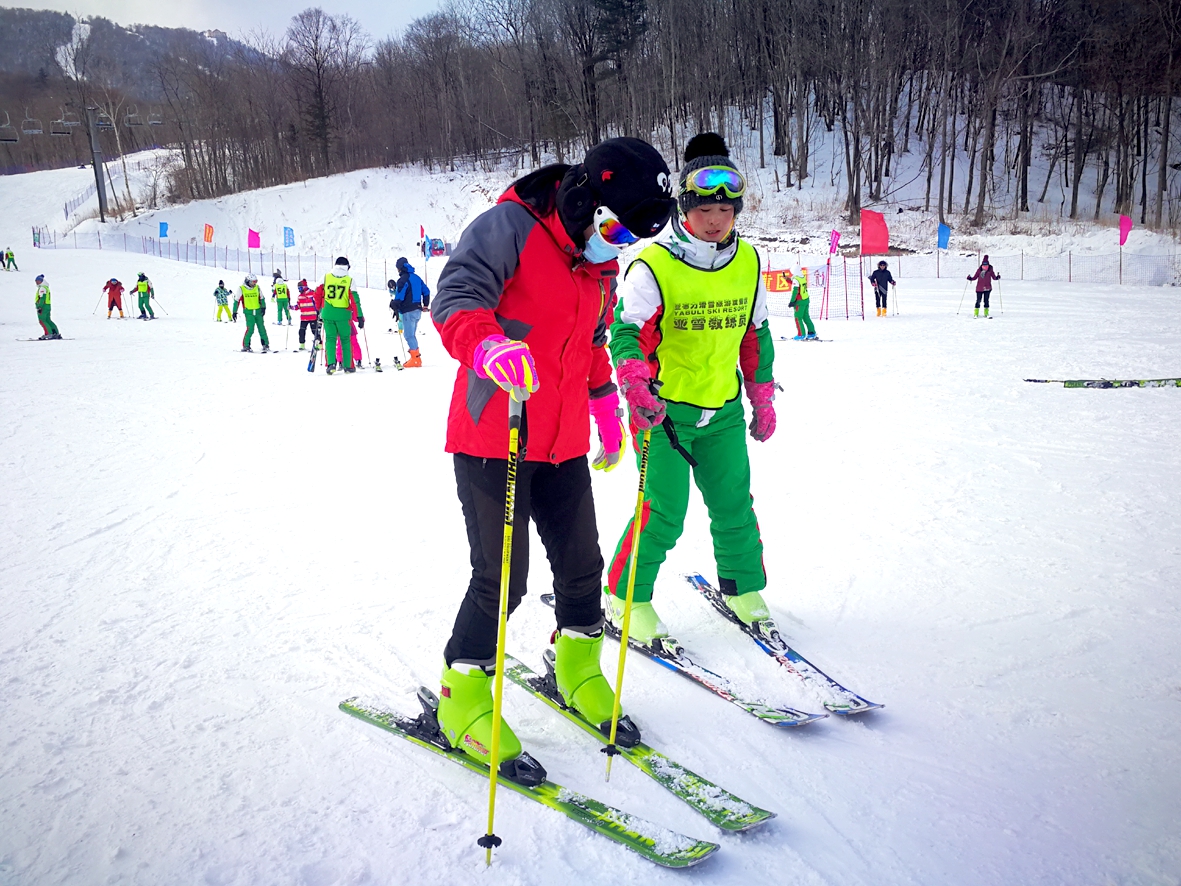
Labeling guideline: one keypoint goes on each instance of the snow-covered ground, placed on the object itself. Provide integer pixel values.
(204, 552)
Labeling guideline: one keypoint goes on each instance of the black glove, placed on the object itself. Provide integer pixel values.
(968, 277)
(235, 316)
(361, 322)
(394, 305)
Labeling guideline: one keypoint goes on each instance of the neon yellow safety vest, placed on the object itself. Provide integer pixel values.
(43, 293)
(336, 290)
(281, 290)
(250, 298)
(706, 314)
(801, 290)
(142, 286)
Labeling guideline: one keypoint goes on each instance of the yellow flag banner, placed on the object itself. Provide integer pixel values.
(209, 233)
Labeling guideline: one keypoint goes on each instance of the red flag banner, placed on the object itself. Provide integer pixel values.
(875, 236)
(252, 240)
(777, 281)
(209, 233)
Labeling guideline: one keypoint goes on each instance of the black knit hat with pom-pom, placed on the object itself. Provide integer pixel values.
(706, 149)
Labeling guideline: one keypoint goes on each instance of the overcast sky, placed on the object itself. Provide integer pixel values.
(381, 18)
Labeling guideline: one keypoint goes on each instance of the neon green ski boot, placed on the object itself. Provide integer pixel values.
(580, 680)
(749, 607)
(645, 625)
(465, 719)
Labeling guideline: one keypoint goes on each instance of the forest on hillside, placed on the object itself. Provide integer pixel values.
(984, 90)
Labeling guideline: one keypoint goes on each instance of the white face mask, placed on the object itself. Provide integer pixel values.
(599, 250)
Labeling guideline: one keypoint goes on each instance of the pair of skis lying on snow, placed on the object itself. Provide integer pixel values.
(656, 843)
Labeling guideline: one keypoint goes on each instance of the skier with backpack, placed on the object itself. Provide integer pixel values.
(411, 295)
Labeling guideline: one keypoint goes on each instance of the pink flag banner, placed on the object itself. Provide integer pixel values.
(875, 236)
(1125, 228)
(834, 240)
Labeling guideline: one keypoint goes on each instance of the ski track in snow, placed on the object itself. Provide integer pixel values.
(206, 551)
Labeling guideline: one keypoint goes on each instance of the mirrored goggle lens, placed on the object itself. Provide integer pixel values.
(612, 230)
(711, 179)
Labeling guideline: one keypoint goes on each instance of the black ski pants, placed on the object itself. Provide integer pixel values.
(879, 296)
(558, 498)
(983, 293)
(303, 328)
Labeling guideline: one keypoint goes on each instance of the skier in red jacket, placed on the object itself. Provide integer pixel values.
(523, 305)
(114, 292)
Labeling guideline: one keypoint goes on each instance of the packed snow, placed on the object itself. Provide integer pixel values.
(206, 551)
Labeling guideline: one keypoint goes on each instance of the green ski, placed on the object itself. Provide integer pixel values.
(655, 843)
(728, 812)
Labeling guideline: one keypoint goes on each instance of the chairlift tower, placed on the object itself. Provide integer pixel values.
(96, 158)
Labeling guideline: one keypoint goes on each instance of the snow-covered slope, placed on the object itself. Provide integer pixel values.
(205, 551)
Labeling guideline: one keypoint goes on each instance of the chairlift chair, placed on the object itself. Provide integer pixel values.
(8, 133)
(104, 121)
(30, 125)
(132, 118)
(59, 127)
(71, 118)
(154, 119)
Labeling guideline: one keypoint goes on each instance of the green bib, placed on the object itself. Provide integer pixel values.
(250, 298)
(336, 290)
(706, 314)
(281, 290)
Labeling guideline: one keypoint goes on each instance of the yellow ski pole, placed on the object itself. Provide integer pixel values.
(611, 750)
(515, 405)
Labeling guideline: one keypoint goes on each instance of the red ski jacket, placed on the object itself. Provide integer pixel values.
(516, 272)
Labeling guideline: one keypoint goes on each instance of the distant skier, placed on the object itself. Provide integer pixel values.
(334, 299)
(799, 301)
(984, 276)
(144, 287)
(282, 298)
(9, 260)
(250, 298)
(412, 296)
(308, 316)
(114, 293)
(882, 280)
(43, 309)
(223, 301)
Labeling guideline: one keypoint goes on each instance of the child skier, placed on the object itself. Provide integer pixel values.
(412, 296)
(691, 330)
(522, 306)
(307, 315)
(49, 328)
(882, 280)
(250, 298)
(144, 287)
(9, 260)
(223, 301)
(984, 276)
(799, 301)
(114, 293)
(282, 298)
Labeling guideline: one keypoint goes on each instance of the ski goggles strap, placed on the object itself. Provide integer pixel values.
(709, 180)
(611, 229)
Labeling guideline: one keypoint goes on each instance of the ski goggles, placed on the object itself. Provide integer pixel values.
(709, 180)
(611, 229)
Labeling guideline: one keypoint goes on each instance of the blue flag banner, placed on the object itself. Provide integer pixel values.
(163, 229)
(944, 236)
(288, 238)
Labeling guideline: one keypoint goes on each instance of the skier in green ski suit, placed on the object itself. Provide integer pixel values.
(282, 299)
(690, 332)
(250, 299)
(334, 301)
(799, 301)
(44, 300)
(144, 287)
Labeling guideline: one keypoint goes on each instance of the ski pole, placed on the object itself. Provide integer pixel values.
(1000, 298)
(611, 750)
(962, 294)
(287, 337)
(160, 306)
(401, 340)
(515, 408)
(100, 301)
(367, 349)
(895, 299)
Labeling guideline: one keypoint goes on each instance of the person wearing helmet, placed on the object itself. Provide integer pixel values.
(250, 298)
(282, 298)
(882, 280)
(799, 301)
(411, 296)
(49, 328)
(223, 301)
(144, 287)
(522, 305)
(308, 315)
(335, 301)
(114, 293)
(691, 332)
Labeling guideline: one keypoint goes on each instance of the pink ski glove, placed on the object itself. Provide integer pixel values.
(646, 408)
(508, 363)
(608, 416)
(760, 394)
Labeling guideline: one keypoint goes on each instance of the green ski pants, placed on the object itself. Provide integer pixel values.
(43, 318)
(803, 321)
(254, 321)
(723, 476)
(336, 326)
(284, 306)
(145, 304)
